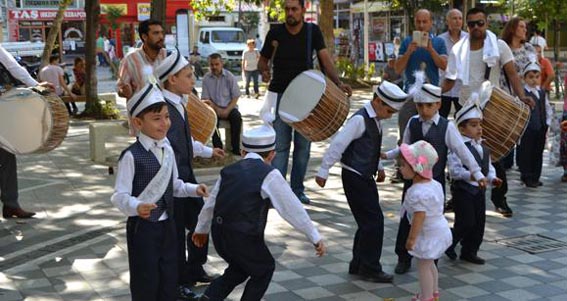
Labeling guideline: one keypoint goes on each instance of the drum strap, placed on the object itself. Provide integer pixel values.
(309, 45)
(486, 72)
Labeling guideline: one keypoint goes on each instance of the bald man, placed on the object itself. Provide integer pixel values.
(451, 37)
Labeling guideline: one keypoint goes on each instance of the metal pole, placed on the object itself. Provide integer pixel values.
(239, 12)
(366, 57)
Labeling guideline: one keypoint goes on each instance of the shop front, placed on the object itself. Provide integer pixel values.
(34, 24)
(384, 26)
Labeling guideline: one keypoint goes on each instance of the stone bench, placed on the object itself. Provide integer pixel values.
(106, 97)
(99, 132)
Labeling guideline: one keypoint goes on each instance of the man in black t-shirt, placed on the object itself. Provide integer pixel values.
(286, 46)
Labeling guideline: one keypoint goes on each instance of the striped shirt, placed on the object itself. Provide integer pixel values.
(132, 68)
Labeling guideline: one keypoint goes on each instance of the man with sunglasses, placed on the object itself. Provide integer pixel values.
(476, 58)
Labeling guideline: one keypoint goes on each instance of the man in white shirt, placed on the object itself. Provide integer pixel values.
(12, 74)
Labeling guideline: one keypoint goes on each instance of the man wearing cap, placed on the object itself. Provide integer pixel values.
(146, 183)
(428, 125)
(236, 214)
(357, 146)
(176, 77)
(221, 92)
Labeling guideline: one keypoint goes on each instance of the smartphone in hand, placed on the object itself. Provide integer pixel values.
(421, 38)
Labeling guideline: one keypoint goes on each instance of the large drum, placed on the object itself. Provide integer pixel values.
(31, 123)
(202, 119)
(504, 122)
(313, 105)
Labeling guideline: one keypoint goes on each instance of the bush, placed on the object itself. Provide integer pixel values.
(347, 69)
(101, 110)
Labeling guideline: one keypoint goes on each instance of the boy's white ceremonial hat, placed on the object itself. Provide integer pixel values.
(470, 110)
(424, 93)
(259, 139)
(170, 65)
(145, 97)
(531, 66)
(391, 94)
(428, 94)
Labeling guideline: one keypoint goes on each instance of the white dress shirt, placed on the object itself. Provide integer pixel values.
(199, 149)
(15, 69)
(122, 197)
(458, 172)
(453, 141)
(353, 129)
(281, 196)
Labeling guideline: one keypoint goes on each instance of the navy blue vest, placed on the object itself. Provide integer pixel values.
(537, 116)
(146, 166)
(435, 136)
(363, 153)
(482, 162)
(239, 203)
(179, 136)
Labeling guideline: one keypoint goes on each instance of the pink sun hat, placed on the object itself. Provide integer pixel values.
(422, 156)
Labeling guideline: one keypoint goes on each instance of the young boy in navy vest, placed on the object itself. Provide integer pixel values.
(357, 146)
(146, 182)
(238, 211)
(532, 143)
(469, 200)
(175, 75)
(428, 125)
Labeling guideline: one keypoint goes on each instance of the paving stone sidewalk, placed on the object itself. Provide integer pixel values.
(76, 247)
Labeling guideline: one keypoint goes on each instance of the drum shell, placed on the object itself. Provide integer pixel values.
(202, 119)
(504, 121)
(326, 117)
(45, 128)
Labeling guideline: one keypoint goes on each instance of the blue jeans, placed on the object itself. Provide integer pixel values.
(254, 76)
(301, 152)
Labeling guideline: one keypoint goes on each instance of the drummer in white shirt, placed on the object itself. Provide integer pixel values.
(12, 74)
(357, 146)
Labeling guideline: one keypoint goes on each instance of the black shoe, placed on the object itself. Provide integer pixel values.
(204, 278)
(402, 267)
(185, 293)
(303, 198)
(539, 183)
(450, 252)
(530, 184)
(376, 276)
(472, 258)
(353, 268)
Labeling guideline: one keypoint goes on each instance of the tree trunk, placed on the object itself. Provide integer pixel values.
(158, 11)
(54, 32)
(92, 8)
(326, 24)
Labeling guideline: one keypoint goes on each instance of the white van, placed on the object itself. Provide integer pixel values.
(229, 42)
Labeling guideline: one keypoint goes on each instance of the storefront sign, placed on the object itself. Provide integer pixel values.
(45, 14)
(144, 11)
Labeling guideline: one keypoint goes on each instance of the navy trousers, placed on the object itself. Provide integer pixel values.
(362, 197)
(469, 204)
(152, 257)
(8, 179)
(247, 256)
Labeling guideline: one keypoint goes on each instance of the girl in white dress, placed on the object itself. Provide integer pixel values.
(430, 234)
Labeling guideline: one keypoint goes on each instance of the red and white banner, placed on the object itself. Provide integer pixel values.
(45, 15)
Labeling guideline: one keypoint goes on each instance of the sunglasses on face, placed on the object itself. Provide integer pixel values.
(473, 24)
